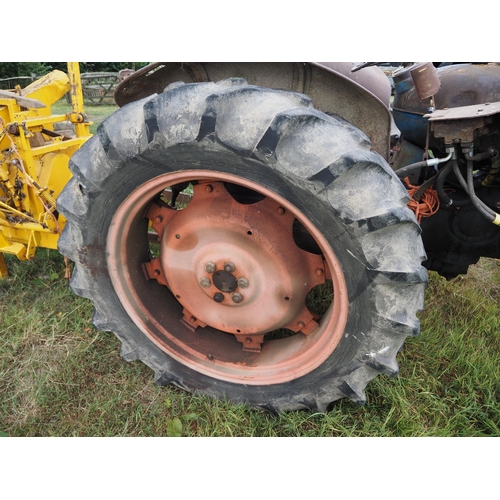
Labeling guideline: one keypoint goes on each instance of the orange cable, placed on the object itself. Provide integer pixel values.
(428, 204)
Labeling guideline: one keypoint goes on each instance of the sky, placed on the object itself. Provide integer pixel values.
(223, 30)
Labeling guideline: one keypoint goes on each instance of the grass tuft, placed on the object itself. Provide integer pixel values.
(61, 377)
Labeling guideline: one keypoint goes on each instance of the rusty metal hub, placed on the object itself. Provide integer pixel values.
(224, 278)
(215, 245)
(225, 281)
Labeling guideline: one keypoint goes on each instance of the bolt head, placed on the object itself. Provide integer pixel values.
(229, 267)
(243, 283)
(205, 282)
(219, 297)
(237, 297)
(210, 267)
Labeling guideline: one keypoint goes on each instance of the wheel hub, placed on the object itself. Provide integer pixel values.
(225, 281)
(236, 265)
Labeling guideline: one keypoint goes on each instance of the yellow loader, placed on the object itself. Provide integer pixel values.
(36, 147)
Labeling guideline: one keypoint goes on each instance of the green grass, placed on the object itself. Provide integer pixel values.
(61, 377)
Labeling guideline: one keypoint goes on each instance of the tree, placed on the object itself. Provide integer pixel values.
(13, 69)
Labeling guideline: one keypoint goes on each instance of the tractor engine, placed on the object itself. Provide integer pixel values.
(448, 157)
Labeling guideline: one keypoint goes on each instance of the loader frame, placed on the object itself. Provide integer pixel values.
(34, 159)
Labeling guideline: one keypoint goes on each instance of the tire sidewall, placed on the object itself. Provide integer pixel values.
(314, 205)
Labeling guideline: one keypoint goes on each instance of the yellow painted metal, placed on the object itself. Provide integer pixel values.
(34, 160)
(12, 247)
(76, 93)
(4, 272)
(48, 89)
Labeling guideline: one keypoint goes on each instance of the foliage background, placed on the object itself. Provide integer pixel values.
(13, 69)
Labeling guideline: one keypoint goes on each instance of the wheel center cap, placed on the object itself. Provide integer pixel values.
(225, 281)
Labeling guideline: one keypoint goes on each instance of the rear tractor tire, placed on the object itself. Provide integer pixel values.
(290, 278)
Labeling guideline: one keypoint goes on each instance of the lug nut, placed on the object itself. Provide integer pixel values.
(237, 297)
(229, 267)
(218, 297)
(210, 267)
(243, 283)
(319, 272)
(205, 282)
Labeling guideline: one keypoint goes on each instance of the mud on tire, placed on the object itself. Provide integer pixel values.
(286, 200)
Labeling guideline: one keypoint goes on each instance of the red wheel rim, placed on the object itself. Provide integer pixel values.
(170, 300)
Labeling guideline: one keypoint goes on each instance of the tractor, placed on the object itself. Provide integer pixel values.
(259, 232)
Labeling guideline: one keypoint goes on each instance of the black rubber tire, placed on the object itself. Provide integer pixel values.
(319, 163)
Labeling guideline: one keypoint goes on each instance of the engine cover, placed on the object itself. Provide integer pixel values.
(461, 85)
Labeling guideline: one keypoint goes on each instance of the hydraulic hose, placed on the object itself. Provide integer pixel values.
(491, 153)
(494, 168)
(469, 189)
(483, 209)
(406, 171)
(445, 199)
(443, 196)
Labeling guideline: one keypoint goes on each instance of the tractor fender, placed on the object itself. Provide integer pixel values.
(361, 98)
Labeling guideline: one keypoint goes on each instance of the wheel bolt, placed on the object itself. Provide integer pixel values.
(281, 210)
(229, 267)
(237, 297)
(210, 267)
(319, 272)
(205, 282)
(209, 188)
(243, 283)
(218, 297)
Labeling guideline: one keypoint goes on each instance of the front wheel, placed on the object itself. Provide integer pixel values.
(287, 278)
